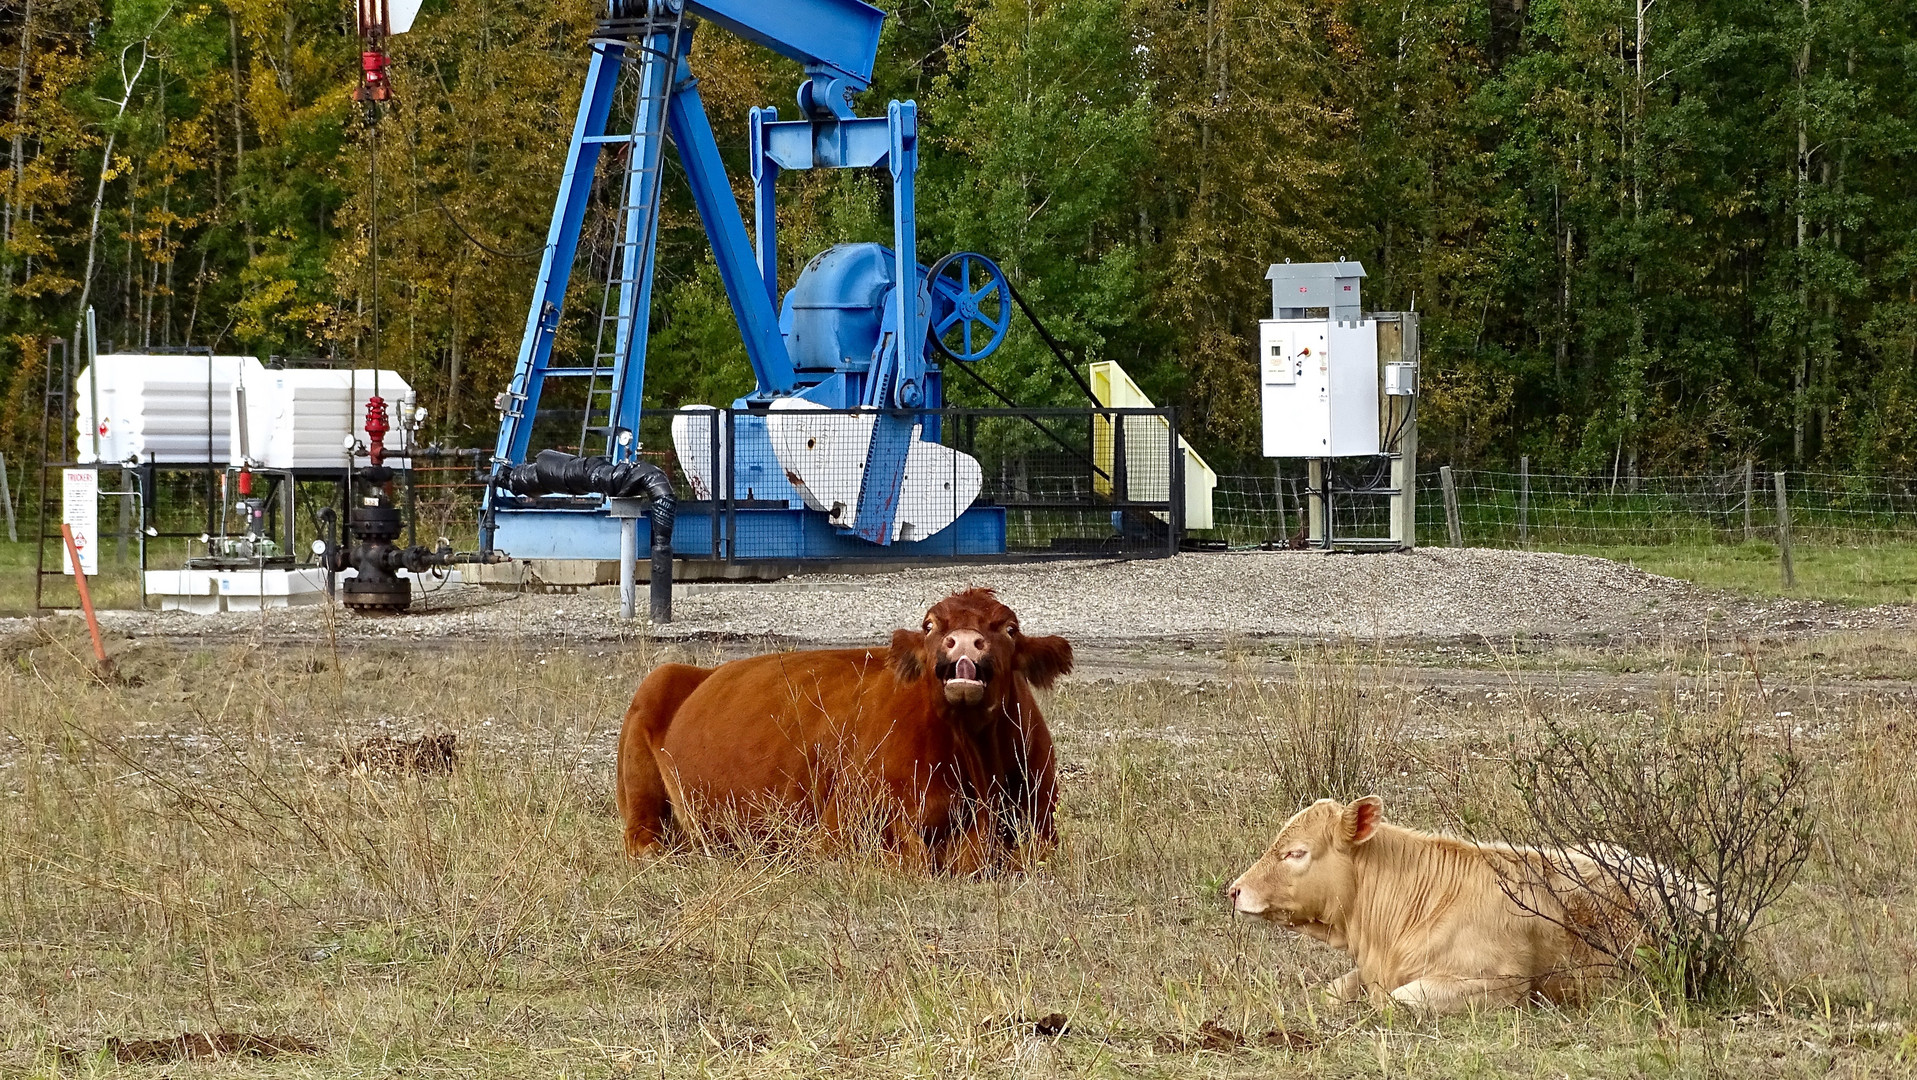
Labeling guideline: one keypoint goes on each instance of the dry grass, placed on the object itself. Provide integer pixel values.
(179, 853)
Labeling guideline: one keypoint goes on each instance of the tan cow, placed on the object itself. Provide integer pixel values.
(1434, 921)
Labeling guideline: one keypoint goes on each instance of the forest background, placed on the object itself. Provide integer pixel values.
(1644, 234)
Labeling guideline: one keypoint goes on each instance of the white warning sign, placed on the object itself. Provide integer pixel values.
(80, 509)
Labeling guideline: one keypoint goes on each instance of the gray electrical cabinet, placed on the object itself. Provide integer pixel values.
(1337, 382)
(1318, 383)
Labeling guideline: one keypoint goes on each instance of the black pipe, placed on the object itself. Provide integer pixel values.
(660, 591)
(556, 473)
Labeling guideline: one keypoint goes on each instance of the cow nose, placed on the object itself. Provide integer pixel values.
(1232, 893)
(965, 639)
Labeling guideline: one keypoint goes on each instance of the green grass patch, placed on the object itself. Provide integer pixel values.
(116, 586)
(1878, 574)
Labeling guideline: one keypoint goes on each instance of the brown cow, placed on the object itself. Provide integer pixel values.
(936, 742)
(1437, 922)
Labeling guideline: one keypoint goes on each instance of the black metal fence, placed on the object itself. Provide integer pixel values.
(157, 517)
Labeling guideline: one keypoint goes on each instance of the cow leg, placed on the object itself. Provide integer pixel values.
(644, 802)
(975, 848)
(1346, 988)
(1450, 993)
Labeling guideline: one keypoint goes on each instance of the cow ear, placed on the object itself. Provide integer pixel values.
(1361, 819)
(1043, 659)
(907, 655)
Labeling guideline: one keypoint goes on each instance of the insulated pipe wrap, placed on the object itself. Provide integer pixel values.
(556, 473)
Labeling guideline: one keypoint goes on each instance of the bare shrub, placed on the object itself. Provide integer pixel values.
(1686, 831)
(1324, 732)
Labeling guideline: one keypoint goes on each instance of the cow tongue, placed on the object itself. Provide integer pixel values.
(964, 687)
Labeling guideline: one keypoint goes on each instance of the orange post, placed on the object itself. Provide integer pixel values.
(86, 600)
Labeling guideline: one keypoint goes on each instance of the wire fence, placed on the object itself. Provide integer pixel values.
(1504, 508)
(1053, 501)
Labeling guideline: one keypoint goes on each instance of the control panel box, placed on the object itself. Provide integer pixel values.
(1401, 379)
(1318, 379)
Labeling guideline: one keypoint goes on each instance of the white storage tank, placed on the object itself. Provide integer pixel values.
(170, 409)
(299, 418)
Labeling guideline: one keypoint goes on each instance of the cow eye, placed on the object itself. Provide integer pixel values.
(1296, 853)
(931, 625)
(1012, 629)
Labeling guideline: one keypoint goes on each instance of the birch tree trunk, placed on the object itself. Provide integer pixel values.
(106, 173)
(1801, 361)
(18, 150)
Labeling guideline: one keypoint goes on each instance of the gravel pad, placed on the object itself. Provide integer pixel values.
(1429, 594)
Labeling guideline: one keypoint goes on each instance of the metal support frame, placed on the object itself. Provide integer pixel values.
(837, 43)
(834, 138)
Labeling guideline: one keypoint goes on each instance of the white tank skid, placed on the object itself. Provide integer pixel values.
(179, 410)
(231, 410)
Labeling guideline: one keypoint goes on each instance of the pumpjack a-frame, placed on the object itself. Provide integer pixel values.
(853, 332)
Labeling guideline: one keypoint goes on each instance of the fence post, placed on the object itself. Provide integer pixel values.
(6, 498)
(1175, 495)
(731, 485)
(1749, 533)
(121, 501)
(1524, 501)
(714, 479)
(1784, 530)
(1451, 506)
(1278, 488)
(1315, 508)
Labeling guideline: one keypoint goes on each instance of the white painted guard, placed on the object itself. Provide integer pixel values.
(823, 454)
